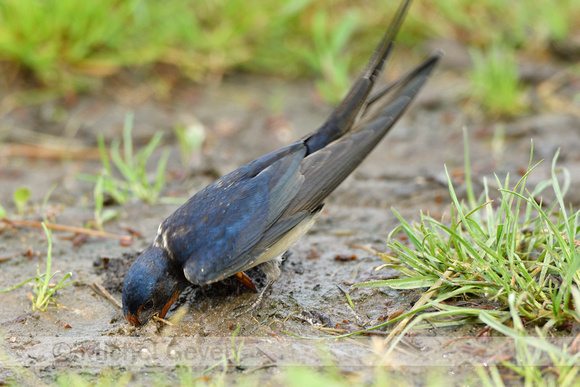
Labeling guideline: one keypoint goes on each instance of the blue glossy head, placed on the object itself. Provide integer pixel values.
(151, 286)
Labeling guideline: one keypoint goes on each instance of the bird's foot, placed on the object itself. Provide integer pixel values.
(272, 271)
(256, 304)
(286, 255)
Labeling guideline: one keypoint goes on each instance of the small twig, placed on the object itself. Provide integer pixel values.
(282, 322)
(159, 319)
(331, 330)
(51, 153)
(107, 295)
(8, 256)
(367, 248)
(271, 357)
(62, 227)
(264, 366)
(374, 333)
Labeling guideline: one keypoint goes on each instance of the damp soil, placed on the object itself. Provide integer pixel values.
(244, 117)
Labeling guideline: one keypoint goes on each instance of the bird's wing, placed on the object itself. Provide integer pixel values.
(325, 169)
(210, 235)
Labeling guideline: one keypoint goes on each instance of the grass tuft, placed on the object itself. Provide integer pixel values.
(495, 79)
(21, 196)
(43, 291)
(132, 168)
(492, 252)
(513, 261)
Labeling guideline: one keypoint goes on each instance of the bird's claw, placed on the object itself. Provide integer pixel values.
(256, 304)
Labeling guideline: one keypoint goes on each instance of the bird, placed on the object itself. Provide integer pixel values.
(253, 215)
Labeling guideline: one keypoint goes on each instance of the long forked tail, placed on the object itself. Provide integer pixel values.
(345, 114)
(325, 169)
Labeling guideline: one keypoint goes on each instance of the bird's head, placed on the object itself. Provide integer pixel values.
(151, 286)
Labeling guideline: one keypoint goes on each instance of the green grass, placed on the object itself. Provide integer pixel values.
(101, 214)
(132, 168)
(496, 83)
(327, 57)
(526, 25)
(190, 139)
(43, 291)
(21, 196)
(71, 45)
(516, 258)
(537, 362)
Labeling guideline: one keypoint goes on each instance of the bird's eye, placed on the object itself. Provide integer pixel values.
(148, 305)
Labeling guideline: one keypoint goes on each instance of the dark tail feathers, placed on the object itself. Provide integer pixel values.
(344, 116)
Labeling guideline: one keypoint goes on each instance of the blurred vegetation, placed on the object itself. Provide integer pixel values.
(495, 80)
(134, 181)
(70, 45)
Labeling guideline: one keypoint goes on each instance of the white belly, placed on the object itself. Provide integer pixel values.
(287, 241)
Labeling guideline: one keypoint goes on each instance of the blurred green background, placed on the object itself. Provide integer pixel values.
(69, 46)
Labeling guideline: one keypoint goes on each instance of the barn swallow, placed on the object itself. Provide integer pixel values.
(254, 214)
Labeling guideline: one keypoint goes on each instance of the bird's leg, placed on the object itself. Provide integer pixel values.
(285, 256)
(272, 271)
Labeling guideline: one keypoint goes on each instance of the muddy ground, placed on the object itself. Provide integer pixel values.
(244, 117)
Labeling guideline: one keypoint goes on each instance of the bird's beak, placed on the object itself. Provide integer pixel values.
(168, 305)
(132, 319)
